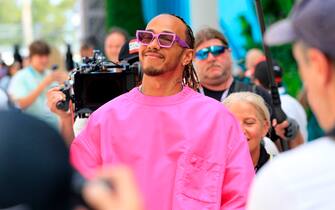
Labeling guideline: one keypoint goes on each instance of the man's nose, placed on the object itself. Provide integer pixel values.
(211, 57)
(154, 44)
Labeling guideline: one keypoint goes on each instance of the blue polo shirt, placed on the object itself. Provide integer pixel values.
(23, 83)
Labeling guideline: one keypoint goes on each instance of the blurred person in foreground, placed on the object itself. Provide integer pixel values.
(36, 173)
(34, 164)
(114, 41)
(29, 86)
(185, 146)
(304, 179)
(254, 117)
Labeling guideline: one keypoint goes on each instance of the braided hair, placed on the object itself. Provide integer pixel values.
(190, 77)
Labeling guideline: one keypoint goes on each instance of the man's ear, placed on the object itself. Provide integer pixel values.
(321, 65)
(188, 56)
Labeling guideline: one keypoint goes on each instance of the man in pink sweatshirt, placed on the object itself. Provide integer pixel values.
(186, 150)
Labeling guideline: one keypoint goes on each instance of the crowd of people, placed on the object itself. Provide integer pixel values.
(190, 136)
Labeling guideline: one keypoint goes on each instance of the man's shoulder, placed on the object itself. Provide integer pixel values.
(239, 86)
(300, 159)
(293, 175)
(110, 109)
(115, 103)
(206, 102)
(192, 101)
(19, 83)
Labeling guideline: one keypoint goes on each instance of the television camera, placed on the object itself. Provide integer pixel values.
(96, 81)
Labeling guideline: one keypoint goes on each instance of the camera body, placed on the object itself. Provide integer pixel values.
(96, 81)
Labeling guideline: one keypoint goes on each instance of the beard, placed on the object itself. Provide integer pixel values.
(152, 71)
(219, 78)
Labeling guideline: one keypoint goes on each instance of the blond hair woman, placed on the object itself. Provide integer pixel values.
(254, 118)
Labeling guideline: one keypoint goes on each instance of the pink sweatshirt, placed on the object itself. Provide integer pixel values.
(187, 151)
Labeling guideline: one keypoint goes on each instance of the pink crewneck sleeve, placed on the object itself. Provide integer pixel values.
(186, 151)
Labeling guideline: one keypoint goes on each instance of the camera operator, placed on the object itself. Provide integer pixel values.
(128, 54)
(29, 86)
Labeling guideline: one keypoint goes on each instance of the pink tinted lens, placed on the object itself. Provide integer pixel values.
(145, 37)
(166, 40)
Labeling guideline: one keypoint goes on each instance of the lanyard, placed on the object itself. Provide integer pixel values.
(224, 94)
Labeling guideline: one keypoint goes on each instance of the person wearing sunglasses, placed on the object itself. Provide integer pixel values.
(186, 151)
(213, 63)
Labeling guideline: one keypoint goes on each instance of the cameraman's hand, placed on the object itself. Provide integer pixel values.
(286, 130)
(289, 131)
(121, 195)
(53, 96)
(280, 128)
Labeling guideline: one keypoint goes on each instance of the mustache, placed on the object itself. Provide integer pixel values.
(153, 51)
(213, 64)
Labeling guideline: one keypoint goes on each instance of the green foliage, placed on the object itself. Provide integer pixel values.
(275, 10)
(126, 14)
(246, 33)
(48, 20)
(283, 54)
(9, 12)
(10, 19)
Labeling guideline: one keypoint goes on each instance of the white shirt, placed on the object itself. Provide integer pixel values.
(270, 147)
(301, 179)
(295, 110)
(79, 125)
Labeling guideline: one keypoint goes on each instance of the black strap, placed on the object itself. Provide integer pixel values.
(263, 158)
(238, 86)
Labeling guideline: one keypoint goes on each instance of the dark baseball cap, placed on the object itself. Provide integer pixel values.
(34, 164)
(311, 21)
(129, 51)
(261, 73)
